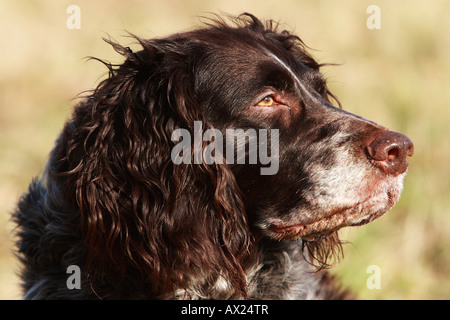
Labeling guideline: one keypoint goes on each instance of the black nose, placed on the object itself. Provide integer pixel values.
(388, 151)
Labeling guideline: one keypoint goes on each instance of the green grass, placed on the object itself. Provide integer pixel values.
(398, 76)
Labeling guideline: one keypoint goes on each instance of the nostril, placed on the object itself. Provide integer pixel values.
(388, 150)
(393, 154)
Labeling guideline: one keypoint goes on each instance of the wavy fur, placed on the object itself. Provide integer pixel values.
(112, 202)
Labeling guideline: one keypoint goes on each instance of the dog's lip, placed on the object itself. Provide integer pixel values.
(304, 231)
(358, 214)
(281, 228)
(324, 226)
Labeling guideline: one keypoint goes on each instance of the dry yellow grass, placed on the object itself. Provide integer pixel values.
(398, 76)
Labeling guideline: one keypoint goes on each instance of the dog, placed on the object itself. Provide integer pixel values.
(211, 164)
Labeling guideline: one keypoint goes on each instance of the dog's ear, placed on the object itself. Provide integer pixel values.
(176, 224)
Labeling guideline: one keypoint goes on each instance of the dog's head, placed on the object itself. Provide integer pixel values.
(331, 168)
(205, 141)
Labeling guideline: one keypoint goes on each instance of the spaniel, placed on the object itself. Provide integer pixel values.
(211, 164)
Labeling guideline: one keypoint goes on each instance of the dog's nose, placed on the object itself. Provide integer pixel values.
(388, 151)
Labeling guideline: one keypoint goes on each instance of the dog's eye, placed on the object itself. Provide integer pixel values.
(266, 102)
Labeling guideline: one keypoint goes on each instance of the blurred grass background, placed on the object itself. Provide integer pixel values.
(398, 76)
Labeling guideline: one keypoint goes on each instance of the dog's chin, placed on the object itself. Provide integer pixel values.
(321, 228)
(334, 219)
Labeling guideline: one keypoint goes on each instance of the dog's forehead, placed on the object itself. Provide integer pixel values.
(299, 83)
(247, 63)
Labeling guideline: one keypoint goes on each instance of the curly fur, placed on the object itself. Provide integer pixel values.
(112, 202)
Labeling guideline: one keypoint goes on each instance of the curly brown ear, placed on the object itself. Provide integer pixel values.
(139, 210)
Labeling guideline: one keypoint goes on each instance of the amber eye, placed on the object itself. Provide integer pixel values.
(266, 102)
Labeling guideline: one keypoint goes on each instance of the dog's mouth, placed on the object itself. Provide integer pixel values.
(357, 215)
(320, 228)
